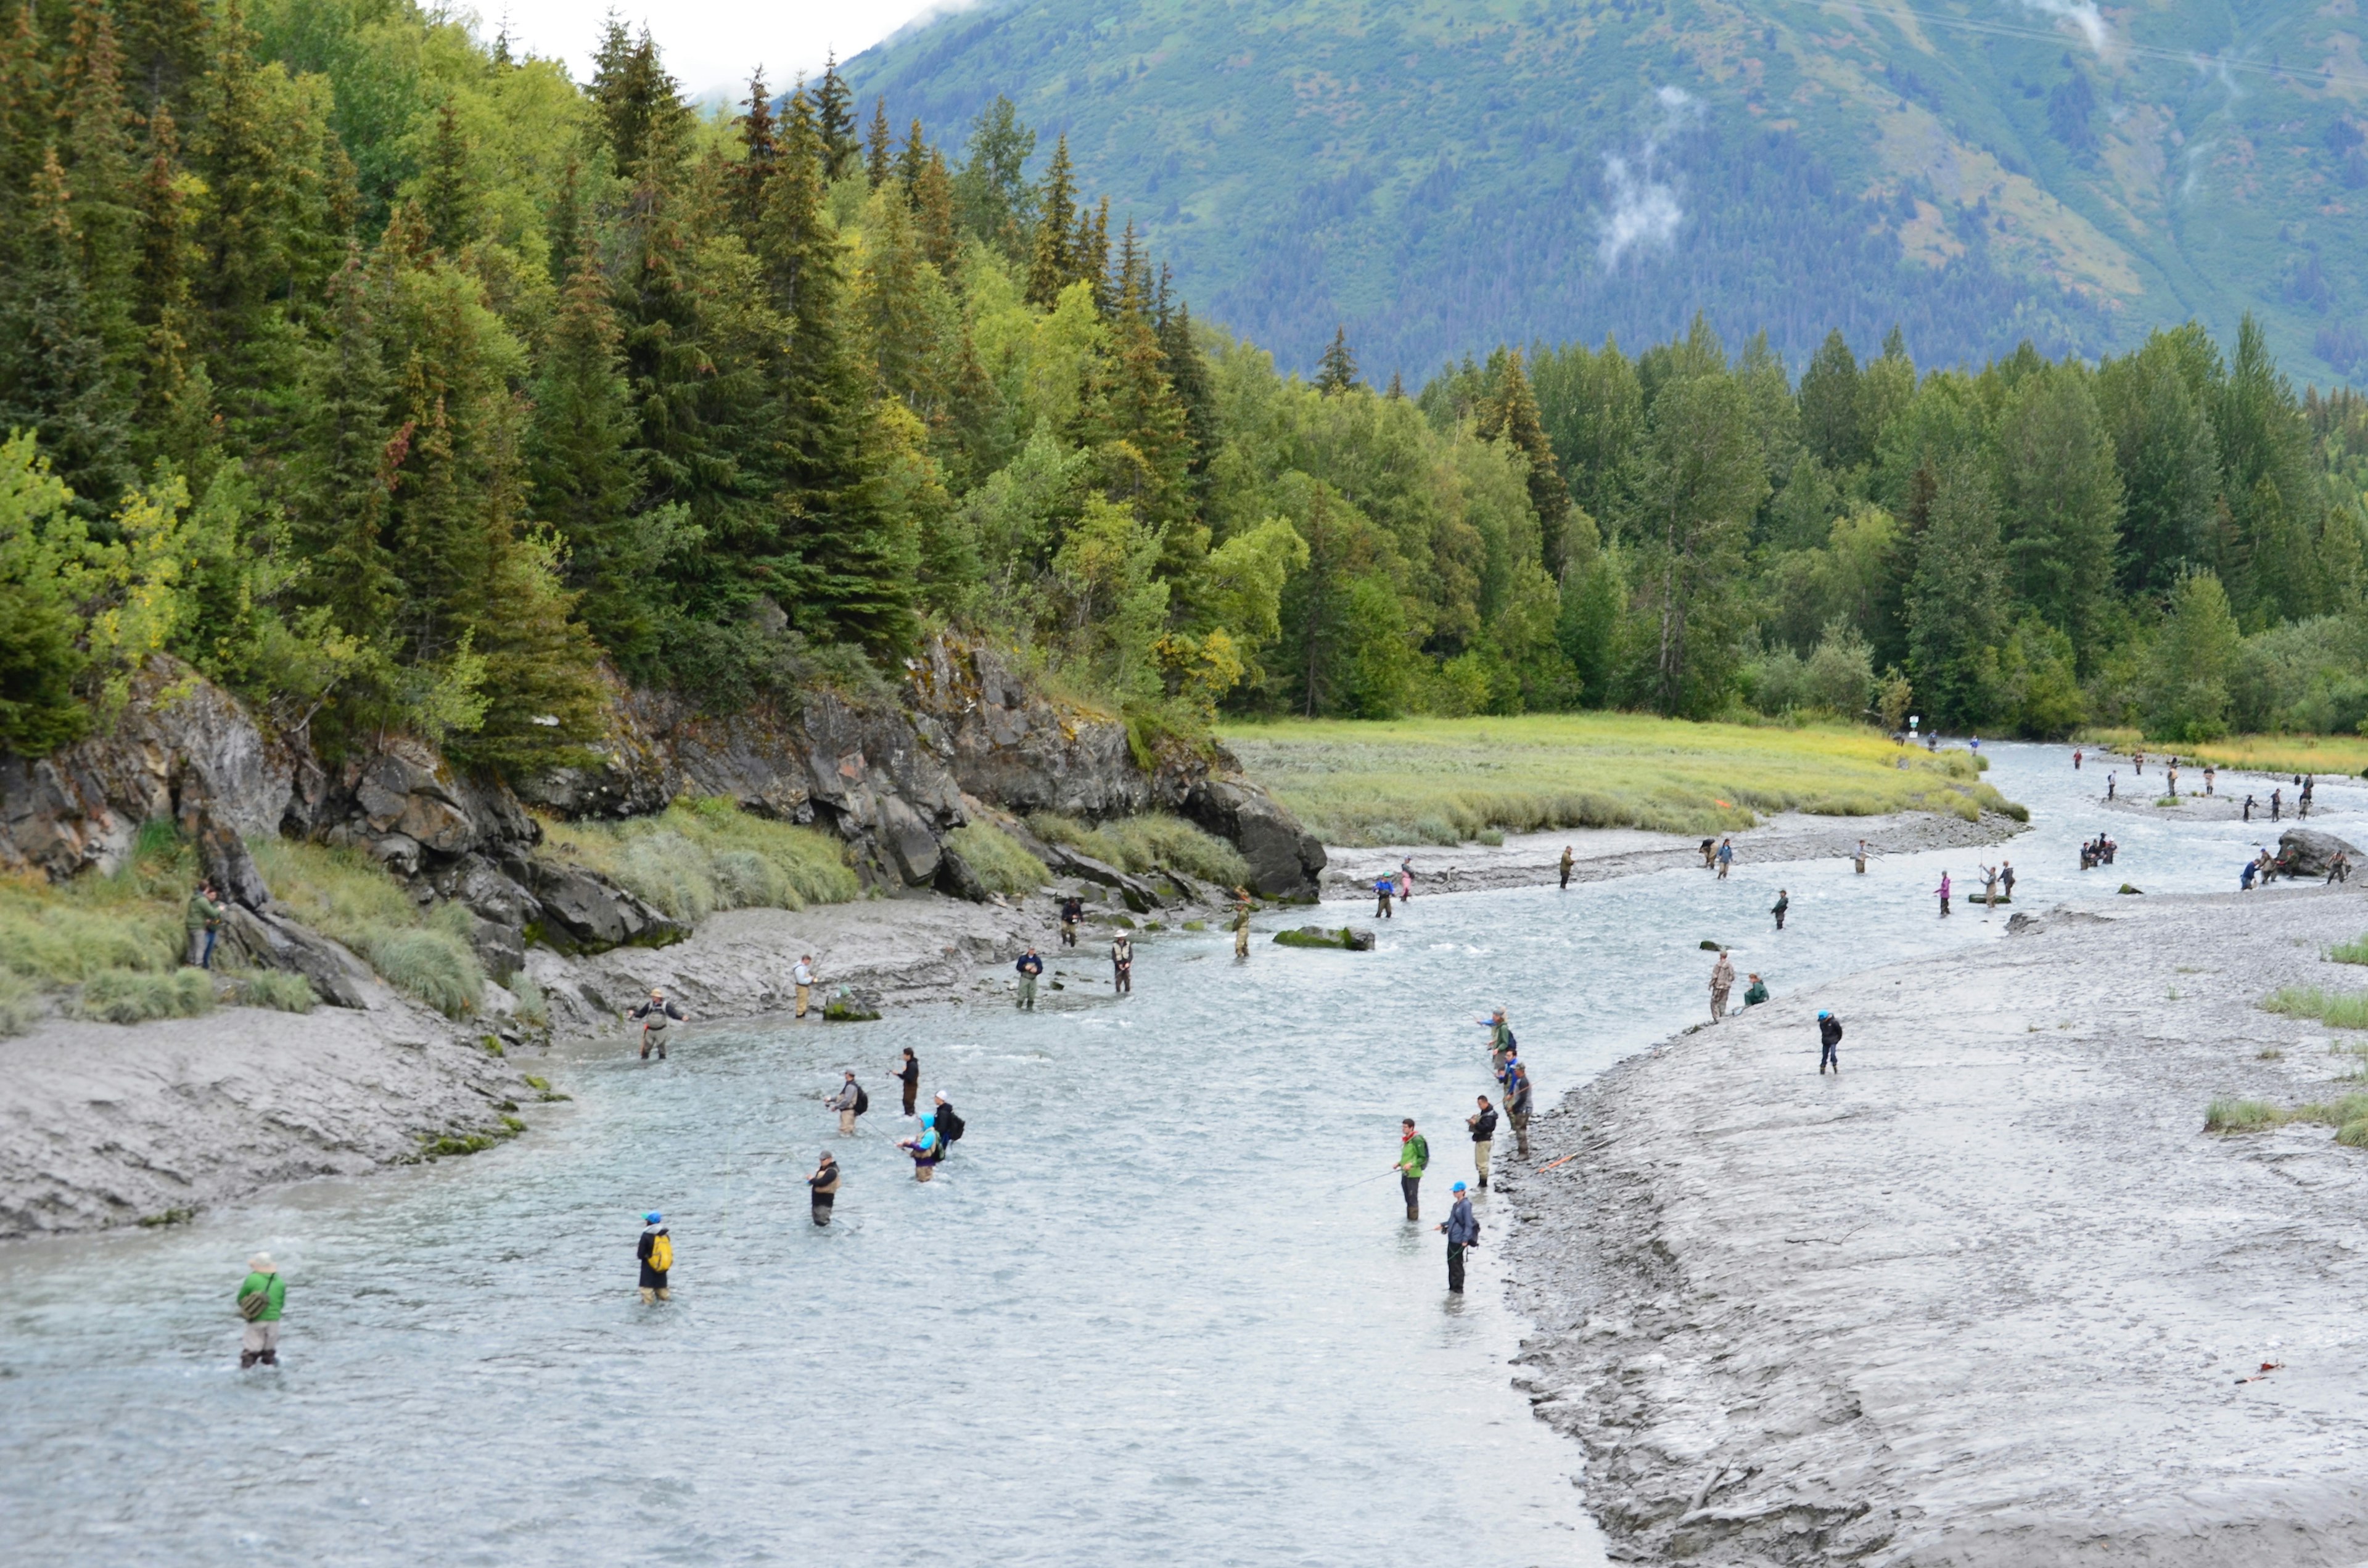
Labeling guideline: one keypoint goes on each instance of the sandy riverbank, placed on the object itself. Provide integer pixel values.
(1533, 860)
(1983, 1299)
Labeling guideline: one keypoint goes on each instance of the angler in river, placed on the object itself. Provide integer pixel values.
(1462, 1231)
(656, 1014)
(849, 1102)
(655, 1252)
(823, 1187)
(1122, 965)
(1414, 1153)
(262, 1297)
(1483, 1123)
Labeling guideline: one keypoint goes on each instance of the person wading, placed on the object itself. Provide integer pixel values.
(1860, 862)
(1829, 1041)
(803, 976)
(1073, 910)
(1722, 980)
(926, 1150)
(1784, 903)
(1517, 1108)
(1122, 965)
(1943, 892)
(949, 1126)
(1381, 891)
(655, 1252)
(262, 1297)
(1462, 1231)
(1567, 863)
(655, 1014)
(849, 1102)
(204, 922)
(1483, 1123)
(1414, 1153)
(2006, 880)
(1241, 923)
(908, 1072)
(1030, 966)
(1726, 857)
(1405, 881)
(823, 1187)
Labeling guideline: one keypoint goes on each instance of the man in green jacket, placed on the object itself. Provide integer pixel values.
(261, 1296)
(204, 923)
(1414, 1153)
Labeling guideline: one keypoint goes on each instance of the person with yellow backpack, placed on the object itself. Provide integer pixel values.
(656, 1250)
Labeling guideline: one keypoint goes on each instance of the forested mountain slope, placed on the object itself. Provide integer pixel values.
(1440, 176)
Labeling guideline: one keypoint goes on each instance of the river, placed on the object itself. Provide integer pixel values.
(1161, 1306)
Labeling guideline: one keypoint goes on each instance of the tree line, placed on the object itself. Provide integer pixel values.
(398, 383)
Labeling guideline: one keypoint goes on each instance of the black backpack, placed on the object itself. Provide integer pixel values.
(862, 1100)
(949, 1126)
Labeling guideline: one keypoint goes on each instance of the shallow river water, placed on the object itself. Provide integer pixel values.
(1161, 1307)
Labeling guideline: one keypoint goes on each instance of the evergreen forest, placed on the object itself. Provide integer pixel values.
(399, 383)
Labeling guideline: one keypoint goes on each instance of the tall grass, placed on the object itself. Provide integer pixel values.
(1449, 781)
(2255, 753)
(1146, 842)
(2353, 951)
(1000, 861)
(345, 896)
(135, 996)
(2337, 1009)
(700, 856)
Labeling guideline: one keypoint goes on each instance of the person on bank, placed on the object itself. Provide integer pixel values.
(823, 1187)
(908, 1072)
(925, 1148)
(1414, 1153)
(1566, 861)
(1483, 1123)
(801, 975)
(1756, 993)
(1030, 966)
(1122, 965)
(1722, 982)
(1462, 1231)
(1829, 1043)
(655, 1014)
(656, 1253)
(949, 1126)
(204, 923)
(849, 1102)
(262, 1297)
(1517, 1106)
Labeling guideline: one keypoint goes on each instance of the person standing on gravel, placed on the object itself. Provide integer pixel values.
(1565, 865)
(822, 1188)
(262, 1297)
(1030, 966)
(2209, 775)
(1829, 1043)
(1414, 1155)
(1784, 903)
(1483, 1123)
(849, 1102)
(1722, 980)
(803, 976)
(1462, 1231)
(2110, 779)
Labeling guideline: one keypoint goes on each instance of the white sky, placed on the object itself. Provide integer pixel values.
(709, 44)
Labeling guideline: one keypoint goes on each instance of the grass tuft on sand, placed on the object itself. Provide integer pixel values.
(136, 995)
(2337, 1009)
(1452, 780)
(705, 853)
(2347, 1116)
(1137, 844)
(2352, 951)
(997, 860)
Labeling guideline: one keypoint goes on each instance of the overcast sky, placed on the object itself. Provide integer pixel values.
(711, 43)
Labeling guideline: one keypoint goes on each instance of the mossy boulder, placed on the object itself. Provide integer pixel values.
(1346, 938)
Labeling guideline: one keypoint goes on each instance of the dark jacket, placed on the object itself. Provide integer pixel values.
(1463, 1230)
(664, 1010)
(1484, 1127)
(1829, 1031)
(1073, 910)
(652, 1278)
(825, 1181)
(1518, 1097)
(1029, 964)
(948, 1124)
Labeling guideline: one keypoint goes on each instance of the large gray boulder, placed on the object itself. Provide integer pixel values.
(2307, 852)
(1285, 859)
(583, 912)
(268, 940)
(1137, 895)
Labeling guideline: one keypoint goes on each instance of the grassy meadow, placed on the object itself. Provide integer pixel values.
(2255, 753)
(1452, 780)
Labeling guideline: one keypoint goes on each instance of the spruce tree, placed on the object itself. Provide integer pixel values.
(1831, 405)
(1188, 374)
(1338, 371)
(759, 146)
(54, 377)
(991, 193)
(1512, 412)
(165, 51)
(174, 398)
(880, 159)
(1056, 263)
(834, 103)
(911, 158)
(933, 211)
(1089, 256)
(855, 574)
(447, 194)
(348, 456)
(101, 162)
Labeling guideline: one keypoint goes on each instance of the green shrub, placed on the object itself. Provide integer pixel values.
(2241, 1116)
(997, 858)
(428, 965)
(2353, 951)
(1147, 842)
(704, 855)
(278, 990)
(21, 1006)
(2337, 1009)
(134, 996)
(2353, 1134)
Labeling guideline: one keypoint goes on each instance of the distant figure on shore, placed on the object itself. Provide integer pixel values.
(1725, 857)
(2075, 759)
(262, 1297)
(1517, 1108)
(1860, 864)
(1565, 865)
(1709, 853)
(2137, 761)
(1784, 902)
(1462, 1231)
(1722, 980)
(1030, 966)
(2339, 868)
(1756, 993)
(1414, 1155)
(801, 975)
(1829, 1041)
(849, 1102)
(655, 1014)
(1483, 1123)
(1381, 891)
(656, 1253)
(204, 923)
(2171, 777)
(1944, 891)
(2210, 773)
(1122, 965)
(822, 1188)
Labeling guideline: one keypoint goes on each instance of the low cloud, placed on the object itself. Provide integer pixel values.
(2081, 13)
(1645, 213)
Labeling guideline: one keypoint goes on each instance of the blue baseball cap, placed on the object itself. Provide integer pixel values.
(651, 1218)
(1459, 1187)
(1823, 1016)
